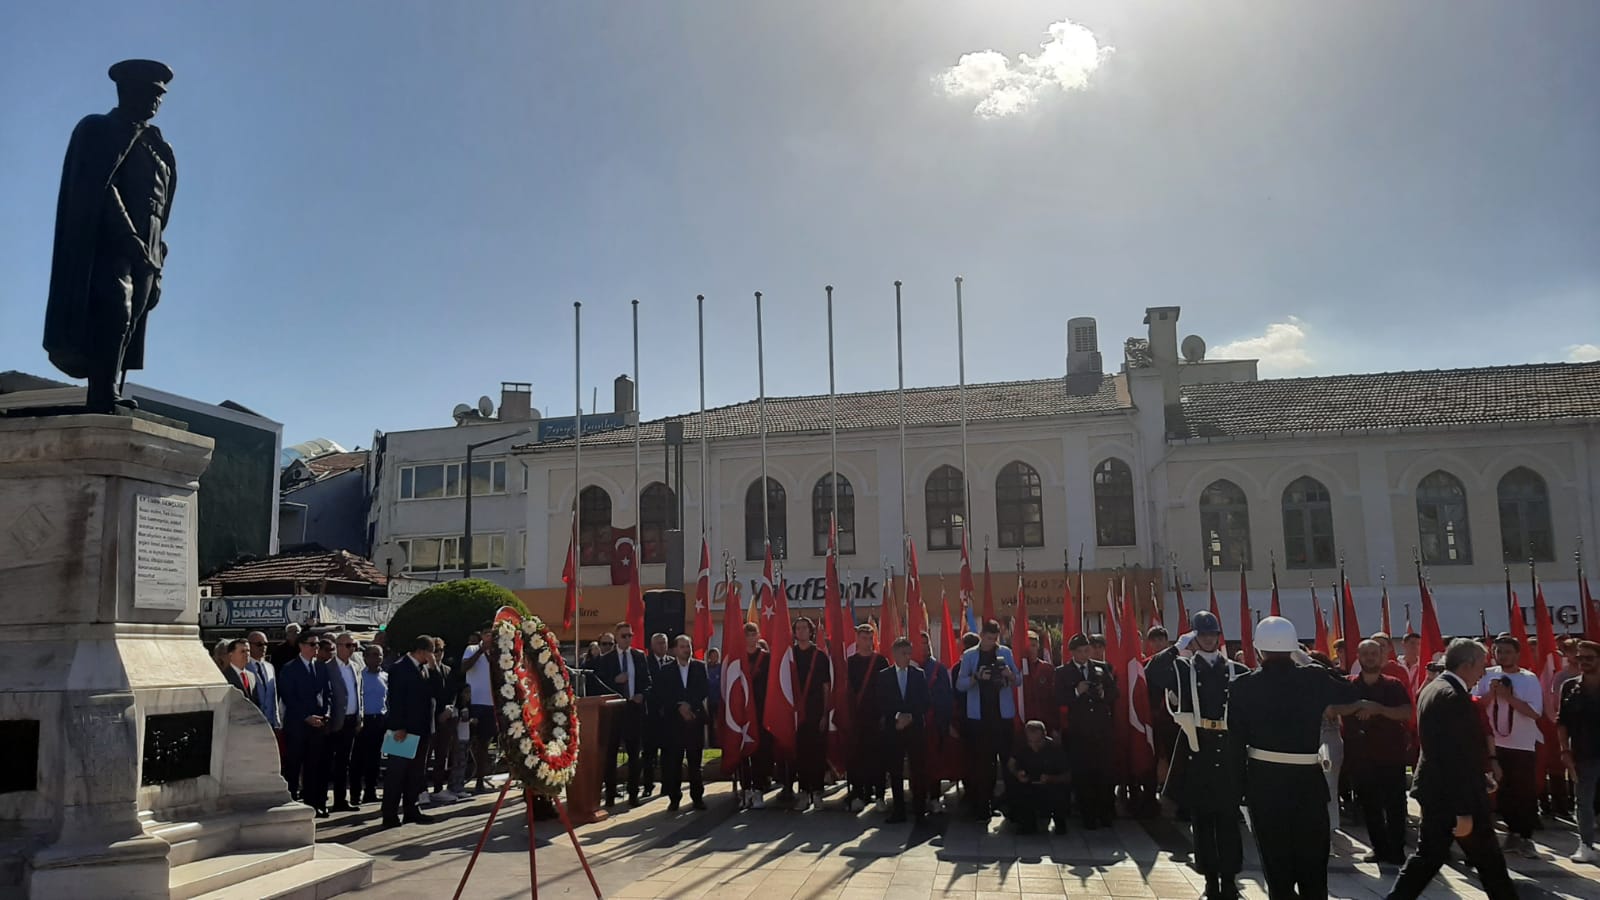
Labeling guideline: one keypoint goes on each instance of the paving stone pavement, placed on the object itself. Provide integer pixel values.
(772, 854)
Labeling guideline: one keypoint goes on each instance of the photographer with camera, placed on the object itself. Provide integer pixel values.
(1087, 689)
(988, 675)
(1514, 701)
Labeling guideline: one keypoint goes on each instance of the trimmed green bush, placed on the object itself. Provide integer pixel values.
(452, 611)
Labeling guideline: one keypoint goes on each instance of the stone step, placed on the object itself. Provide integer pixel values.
(333, 869)
(218, 872)
(278, 828)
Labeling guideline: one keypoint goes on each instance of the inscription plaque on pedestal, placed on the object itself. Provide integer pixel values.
(161, 552)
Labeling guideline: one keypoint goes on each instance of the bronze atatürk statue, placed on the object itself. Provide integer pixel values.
(116, 194)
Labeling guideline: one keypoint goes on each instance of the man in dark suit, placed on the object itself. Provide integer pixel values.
(1450, 780)
(1088, 690)
(413, 690)
(867, 761)
(657, 659)
(622, 670)
(902, 704)
(680, 691)
(307, 704)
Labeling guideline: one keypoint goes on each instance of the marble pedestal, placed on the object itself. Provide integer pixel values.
(99, 633)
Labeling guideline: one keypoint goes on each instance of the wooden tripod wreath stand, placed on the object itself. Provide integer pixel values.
(533, 841)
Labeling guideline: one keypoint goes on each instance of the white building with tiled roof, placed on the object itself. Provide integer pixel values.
(1170, 463)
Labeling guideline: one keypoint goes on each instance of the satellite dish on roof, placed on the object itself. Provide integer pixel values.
(485, 406)
(1194, 348)
(390, 556)
(461, 412)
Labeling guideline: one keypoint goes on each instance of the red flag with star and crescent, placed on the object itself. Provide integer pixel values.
(702, 604)
(778, 715)
(839, 635)
(569, 577)
(738, 732)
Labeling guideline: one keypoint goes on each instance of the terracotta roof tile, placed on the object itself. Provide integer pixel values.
(336, 463)
(307, 569)
(1037, 398)
(1541, 392)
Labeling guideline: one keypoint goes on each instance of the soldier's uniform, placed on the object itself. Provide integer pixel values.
(1207, 779)
(1276, 713)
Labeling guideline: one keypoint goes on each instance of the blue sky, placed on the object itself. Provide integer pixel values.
(388, 208)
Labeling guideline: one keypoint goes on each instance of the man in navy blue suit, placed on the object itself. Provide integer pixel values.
(307, 703)
(680, 690)
(413, 691)
(903, 704)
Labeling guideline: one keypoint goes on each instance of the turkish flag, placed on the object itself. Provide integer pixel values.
(949, 644)
(702, 604)
(624, 556)
(1245, 623)
(1323, 646)
(967, 591)
(569, 577)
(988, 589)
(778, 715)
(1549, 661)
(1069, 616)
(1352, 626)
(837, 647)
(737, 730)
(1211, 584)
(1276, 609)
(1183, 612)
(916, 614)
(1519, 628)
(1386, 627)
(1591, 609)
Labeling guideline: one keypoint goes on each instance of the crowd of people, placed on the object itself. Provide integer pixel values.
(1004, 731)
(332, 701)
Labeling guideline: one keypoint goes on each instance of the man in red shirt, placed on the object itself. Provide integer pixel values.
(1375, 754)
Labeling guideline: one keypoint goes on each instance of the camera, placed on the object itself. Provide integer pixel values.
(1504, 681)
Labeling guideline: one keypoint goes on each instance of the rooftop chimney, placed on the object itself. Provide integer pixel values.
(1083, 347)
(516, 401)
(1163, 322)
(623, 393)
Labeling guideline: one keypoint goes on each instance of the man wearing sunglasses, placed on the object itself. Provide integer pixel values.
(345, 679)
(624, 671)
(1578, 734)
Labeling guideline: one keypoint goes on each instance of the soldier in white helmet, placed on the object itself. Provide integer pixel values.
(1276, 712)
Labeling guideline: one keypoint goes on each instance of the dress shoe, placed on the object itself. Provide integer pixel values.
(419, 819)
(672, 805)
(390, 823)
(633, 802)
(322, 812)
(345, 807)
(698, 803)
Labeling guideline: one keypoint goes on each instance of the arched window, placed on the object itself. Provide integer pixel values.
(777, 529)
(822, 505)
(1019, 506)
(1307, 525)
(1225, 526)
(945, 502)
(1442, 529)
(1525, 517)
(658, 506)
(1113, 504)
(594, 526)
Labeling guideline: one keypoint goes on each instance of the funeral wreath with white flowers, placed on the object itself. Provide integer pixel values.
(537, 703)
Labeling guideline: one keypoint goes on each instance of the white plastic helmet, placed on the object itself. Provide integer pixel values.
(1275, 634)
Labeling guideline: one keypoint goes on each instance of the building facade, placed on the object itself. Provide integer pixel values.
(1171, 469)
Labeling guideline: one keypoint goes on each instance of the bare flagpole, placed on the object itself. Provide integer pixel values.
(577, 469)
(700, 313)
(761, 386)
(638, 529)
(961, 368)
(833, 433)
(900, 364)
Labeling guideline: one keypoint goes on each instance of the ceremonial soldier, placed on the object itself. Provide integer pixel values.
(1276, 713)
(1087, 689)
(1206, 778)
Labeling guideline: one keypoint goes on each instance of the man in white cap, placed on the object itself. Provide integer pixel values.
(1276, 712)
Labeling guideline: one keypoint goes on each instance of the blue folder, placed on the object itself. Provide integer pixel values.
(406, 749)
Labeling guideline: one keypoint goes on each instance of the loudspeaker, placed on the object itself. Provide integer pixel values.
(664, 614)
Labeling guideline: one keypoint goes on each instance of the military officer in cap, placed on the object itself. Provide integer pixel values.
(1207, 776)
(116, 194)
(1276, 712)
(1087, 689)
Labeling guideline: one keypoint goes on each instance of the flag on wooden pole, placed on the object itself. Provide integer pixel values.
(1276, 609)
(703, 625)
(1352, 626)
(737, 728)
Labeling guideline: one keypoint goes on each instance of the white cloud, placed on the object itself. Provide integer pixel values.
(1065, 61)
(1583, 353)
(1281, 349)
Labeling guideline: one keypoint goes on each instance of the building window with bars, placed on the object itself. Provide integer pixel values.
(595, 545)
(1019, 506)
(777, 531)
(944, 499)
(1225, 526)
(822, 507)
(1113, 504)
(1307, 525)
(1442, 532)
(1525, 531)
